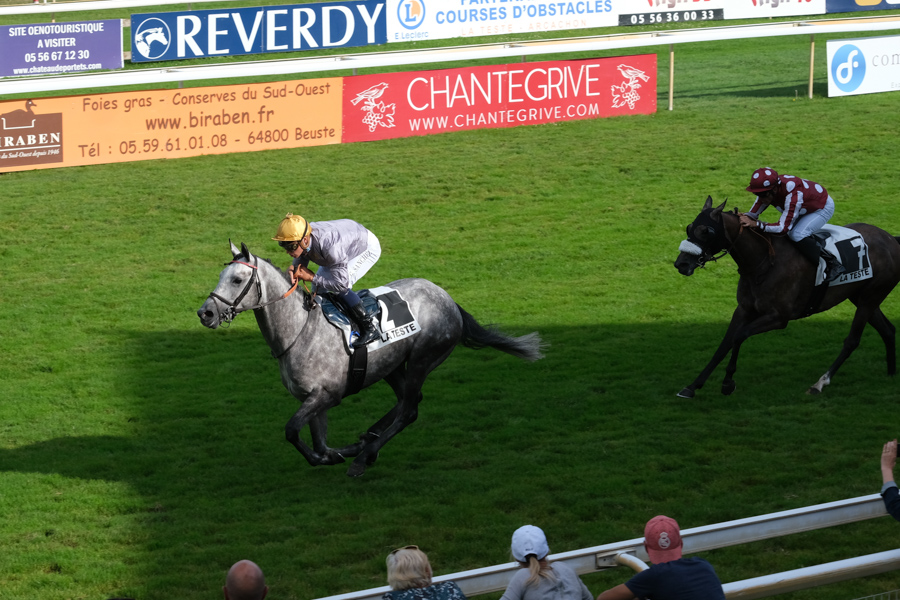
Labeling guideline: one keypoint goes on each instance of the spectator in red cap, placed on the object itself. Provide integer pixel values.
(805, 207)
(889, 492)
(671, 577)
(539, 579)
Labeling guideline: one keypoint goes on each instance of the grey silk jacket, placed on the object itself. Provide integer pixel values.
(333, 245)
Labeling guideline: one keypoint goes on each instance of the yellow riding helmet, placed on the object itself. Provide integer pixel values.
(292, 228)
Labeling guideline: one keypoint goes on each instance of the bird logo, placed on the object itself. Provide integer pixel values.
(627, 93)
(378, 114)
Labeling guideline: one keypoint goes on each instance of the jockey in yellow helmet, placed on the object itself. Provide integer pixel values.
(344, 251)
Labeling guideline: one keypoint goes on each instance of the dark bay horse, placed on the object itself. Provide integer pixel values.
(315, 365)
(776, 285)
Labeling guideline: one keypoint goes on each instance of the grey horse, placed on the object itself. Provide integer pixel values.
(314, 362)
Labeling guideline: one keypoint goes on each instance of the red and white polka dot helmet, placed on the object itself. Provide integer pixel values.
(763, 180)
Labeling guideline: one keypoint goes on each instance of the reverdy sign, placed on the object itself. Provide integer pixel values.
(228, 32)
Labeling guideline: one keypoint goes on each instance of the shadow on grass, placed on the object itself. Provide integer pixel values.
(217, 481)
(799, 90)
(208, 399)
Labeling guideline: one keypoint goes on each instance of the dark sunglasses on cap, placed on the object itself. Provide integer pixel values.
(289, 246)
(404, 548)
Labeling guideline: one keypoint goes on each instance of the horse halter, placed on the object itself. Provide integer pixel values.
(703, 255)
(231, 311)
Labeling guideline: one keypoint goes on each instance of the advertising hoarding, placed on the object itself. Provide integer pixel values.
(410, 20)
(838, 6)
(150, 124)
(44, 48)
(755, 9)
(129, 126)
(669, 12)
(863, 66)
(394, 105)
(234, 31)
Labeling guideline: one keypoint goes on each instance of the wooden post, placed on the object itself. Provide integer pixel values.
(671, 75)
(812, 62)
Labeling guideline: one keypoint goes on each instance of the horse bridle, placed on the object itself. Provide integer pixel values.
(703, 256)
(231, 311)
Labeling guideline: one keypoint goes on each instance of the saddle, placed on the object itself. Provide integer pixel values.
(395, 319)
(337, 313)
(849, 248)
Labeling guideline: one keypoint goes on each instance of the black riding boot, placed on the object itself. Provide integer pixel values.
(809, 249)
(833, 268)
(812, 249)
(367, 331)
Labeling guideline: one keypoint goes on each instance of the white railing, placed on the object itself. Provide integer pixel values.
(518, 50)
(700, 539)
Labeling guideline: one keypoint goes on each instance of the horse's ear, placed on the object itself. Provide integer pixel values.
(234, 249)
(708, 203)
(244, 251)
(717, 211)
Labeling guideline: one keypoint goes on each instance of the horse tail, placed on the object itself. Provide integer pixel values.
(528, 347)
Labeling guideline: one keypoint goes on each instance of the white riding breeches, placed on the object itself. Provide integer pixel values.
(358, 265)
(812, 222)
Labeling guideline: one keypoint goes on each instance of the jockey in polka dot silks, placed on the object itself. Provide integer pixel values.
(805, 207)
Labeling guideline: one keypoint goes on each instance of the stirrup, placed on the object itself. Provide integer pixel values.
(833, 271)
(365, 337)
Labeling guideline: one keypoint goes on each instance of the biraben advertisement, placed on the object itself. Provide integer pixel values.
(117, 127)
(395, 105)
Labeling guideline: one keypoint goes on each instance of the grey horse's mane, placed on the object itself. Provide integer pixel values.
(276, 267)
(285, 275)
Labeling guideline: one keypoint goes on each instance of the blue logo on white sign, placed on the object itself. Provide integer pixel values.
(152, 38)
(411, 13)
(848, 67)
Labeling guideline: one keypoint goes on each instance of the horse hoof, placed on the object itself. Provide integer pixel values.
(728, 387)
(356, 469)
(813, 391)
(686, 393)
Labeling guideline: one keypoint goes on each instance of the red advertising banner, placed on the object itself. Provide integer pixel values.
(393, 105)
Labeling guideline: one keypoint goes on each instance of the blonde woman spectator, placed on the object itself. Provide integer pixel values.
(409, 575)
(539, 579)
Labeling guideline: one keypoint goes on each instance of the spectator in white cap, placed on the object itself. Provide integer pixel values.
(671, 577)
(539, 579)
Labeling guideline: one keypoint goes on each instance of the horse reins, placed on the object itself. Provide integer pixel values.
(732, 243)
